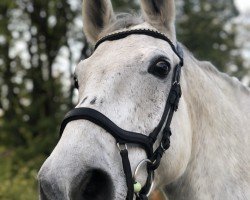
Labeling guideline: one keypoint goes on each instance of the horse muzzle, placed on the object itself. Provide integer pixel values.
(94, 184)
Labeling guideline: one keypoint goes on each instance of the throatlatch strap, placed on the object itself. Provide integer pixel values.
(128, 174)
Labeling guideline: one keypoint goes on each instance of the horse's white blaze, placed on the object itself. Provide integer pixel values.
(209, 153)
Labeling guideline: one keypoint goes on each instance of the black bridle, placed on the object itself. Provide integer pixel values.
(124, 137)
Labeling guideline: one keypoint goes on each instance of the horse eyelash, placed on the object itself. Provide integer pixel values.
(76, 85)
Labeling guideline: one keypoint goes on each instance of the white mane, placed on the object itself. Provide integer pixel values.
(233, 81)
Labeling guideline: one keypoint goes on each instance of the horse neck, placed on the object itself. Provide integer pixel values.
(219, 113)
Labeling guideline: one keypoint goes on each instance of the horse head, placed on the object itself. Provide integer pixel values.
(126, 84)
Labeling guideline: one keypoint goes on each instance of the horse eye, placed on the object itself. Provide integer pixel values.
(160, 69)
(76, 82)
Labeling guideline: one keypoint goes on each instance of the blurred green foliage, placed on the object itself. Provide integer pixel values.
(18, 175)
(33, 99)
(205, 28)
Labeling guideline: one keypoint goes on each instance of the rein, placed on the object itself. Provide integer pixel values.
(124, 137)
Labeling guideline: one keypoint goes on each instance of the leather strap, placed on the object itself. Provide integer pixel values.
(127, 173)
(121, 136)
(152, 33)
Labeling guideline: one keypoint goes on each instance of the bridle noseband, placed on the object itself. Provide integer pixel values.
(124, 137)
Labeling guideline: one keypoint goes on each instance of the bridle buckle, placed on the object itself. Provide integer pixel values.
(122, 147)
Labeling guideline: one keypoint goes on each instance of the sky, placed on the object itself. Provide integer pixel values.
(243, 5)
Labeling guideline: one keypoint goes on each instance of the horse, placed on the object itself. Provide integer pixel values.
(109, 148)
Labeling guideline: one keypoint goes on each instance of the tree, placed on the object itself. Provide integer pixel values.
(125, 5)
(33, 99)
(205, 28)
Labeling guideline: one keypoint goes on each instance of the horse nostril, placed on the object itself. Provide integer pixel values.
(96, 185)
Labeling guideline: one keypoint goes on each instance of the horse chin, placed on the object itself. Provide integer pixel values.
(96, 185)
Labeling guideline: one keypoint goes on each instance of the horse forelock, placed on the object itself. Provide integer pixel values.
(122, 21)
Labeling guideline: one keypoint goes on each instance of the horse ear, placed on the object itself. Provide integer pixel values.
(161, 15)
(97, 14)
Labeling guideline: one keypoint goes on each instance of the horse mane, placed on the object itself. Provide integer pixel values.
(234, 81)
(209, 68)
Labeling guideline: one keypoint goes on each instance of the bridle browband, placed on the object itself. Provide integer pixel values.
(124, 137)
